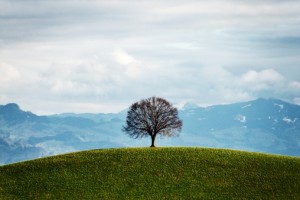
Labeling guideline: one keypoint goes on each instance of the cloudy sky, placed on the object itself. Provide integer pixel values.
(101, 56)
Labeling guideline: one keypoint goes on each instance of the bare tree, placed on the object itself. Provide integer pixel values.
(150, 117)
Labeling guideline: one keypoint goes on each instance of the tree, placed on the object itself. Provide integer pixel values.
(150, 117)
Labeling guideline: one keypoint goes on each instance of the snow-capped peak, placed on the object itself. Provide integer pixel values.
(240, 118)
(248, 105)
(289, 121)
(279, 105)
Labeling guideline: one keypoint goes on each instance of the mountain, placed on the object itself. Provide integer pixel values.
(24, 135)
(263, 125)
(266, 125)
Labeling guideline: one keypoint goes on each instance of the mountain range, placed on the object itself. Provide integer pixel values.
(262, 125)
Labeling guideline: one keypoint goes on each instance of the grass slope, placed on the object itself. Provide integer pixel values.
(153, 173)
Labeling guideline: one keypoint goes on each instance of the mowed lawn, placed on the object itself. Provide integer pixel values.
(154, 173)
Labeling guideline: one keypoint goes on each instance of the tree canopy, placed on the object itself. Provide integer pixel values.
(150, 117)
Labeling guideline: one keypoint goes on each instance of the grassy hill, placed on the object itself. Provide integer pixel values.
(153, 173)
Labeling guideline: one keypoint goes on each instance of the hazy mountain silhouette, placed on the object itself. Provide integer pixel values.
(264, 125)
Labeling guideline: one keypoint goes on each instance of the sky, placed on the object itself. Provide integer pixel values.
(92, 56)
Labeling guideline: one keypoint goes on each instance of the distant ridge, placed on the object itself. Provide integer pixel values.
(262, 125)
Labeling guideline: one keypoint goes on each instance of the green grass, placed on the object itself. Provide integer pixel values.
(154, 173)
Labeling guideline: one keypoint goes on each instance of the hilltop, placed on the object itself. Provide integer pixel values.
(153, 173)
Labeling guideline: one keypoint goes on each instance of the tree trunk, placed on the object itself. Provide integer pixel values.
(152, 140)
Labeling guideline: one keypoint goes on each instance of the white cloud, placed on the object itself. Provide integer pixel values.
(123, 57)
(8, 73)
(270, 83)
(295, 86)
(80, 54)
(132, 66)
(267, 75)
(262, 80)
(61, 87)
(217, 7)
